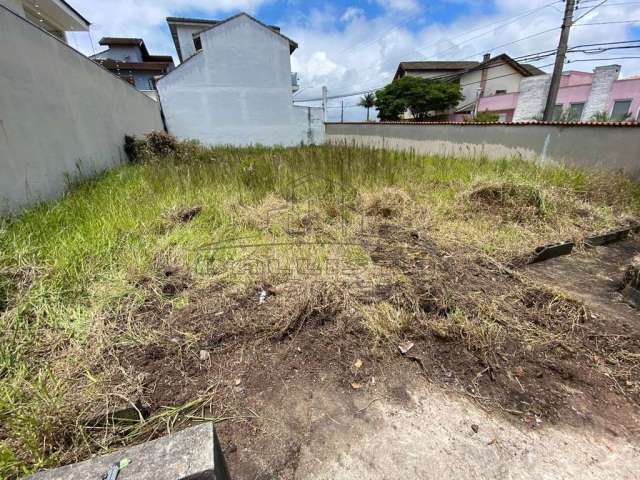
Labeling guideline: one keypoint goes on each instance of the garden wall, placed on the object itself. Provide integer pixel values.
(61, 115)
(604, 146)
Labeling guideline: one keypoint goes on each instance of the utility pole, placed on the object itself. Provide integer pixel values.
(342, 112)
(324, 104)
(560, 57)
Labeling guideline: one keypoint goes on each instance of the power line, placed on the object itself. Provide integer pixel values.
(475, 54)
(491, 25)
(606, 23)
(523, 58)
(610, 5)
(589, 11)
(603, 59)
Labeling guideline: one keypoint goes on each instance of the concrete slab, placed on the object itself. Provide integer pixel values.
(192, 454)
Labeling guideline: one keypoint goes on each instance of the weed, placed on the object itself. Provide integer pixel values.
(137, 264)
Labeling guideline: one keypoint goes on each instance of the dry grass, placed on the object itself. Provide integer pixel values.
(226, 251)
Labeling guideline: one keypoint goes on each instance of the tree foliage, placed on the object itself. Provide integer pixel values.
(368, 101)
(483, 117)
(418, 95)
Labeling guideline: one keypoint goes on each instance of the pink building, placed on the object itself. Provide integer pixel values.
(581, 96)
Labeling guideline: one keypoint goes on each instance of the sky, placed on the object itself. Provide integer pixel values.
(351, 46)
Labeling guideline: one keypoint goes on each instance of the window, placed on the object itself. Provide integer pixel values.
(575, 111)
(557, 112)
(152, 83)
(500, 92)
(620, 110)
(197, 43)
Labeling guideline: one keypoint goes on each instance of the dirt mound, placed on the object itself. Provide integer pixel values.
(386, 203)
(516, 202)
(631, 276)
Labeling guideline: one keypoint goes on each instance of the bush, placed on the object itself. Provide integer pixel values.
(483, 117)
(154, 143)
(161, 143)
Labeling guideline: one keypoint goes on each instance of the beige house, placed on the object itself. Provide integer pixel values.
(493, 76)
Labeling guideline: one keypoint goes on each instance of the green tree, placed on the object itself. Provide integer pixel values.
(368, 101)
(483, 117)
(418, 95)
(605, 117)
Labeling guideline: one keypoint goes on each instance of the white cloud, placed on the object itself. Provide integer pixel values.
(352, 13)
(363, 52)
(366, 54)
(400, 5)
(146, 19)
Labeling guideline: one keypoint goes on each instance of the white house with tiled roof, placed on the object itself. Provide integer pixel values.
(498, 75)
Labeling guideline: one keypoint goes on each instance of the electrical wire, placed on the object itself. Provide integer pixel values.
(471, 56)
(538, 56)
(573, 22)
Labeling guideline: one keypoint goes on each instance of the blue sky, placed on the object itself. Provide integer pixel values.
(351, 45)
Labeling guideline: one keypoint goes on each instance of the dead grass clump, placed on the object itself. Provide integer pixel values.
(516, 202)
(387, 203)
(631, 276)
(613, 190)
(185, 215)
(273, 210)
(165, 279)
(385, 321)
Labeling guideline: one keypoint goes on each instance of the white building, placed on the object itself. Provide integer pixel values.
(233, 86)
(499, 75)
(54, 16)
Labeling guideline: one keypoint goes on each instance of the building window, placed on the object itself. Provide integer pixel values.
(501, 92)
(557, 112)
(197, 43)
(575, 111)
(620, 110)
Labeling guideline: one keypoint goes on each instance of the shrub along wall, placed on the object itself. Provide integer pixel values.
(605, 146)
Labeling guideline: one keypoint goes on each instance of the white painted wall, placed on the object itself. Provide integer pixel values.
(503, 77)
(237, 90)
(61, 114)
(185, 38)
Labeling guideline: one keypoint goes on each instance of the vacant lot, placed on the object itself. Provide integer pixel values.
(205, 283)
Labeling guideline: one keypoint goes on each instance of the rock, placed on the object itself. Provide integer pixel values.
(204, 355)
(405, 347)
(124, 414)
(475, 428)
(192, 454)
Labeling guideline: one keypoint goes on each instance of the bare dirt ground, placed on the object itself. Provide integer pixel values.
(302, 394)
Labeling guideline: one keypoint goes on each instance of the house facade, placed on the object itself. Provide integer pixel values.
(233, 86)
(56, 17)
(500, 75)
(129, 59)
(581, 97)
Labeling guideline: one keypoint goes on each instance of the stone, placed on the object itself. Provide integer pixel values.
(192, 454)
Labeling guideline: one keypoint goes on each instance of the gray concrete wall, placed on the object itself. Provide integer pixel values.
(236, 91)
(61, 114)
(604, 147)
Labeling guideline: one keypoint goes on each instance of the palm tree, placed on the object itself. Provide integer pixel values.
(368, 101)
